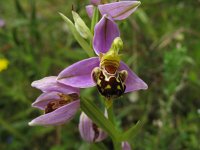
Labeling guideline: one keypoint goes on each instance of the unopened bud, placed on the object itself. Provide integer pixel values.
(126, 146)
(81, 27)
(95, 2)
(2, 23)
(89, 131)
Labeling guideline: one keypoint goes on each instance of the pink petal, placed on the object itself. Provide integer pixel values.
(42, 101)
(126, 146)
(50, 83)
(105, 31)
(59, 116)
(2, 23)
(79, 74)
(95, 2)
(90, 10)
(133, 82)
(86, 129)
(119, 10)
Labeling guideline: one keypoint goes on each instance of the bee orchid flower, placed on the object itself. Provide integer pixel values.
(117, 10)
(106, 30)
(89, 131)
(111, 75)
(59, 102)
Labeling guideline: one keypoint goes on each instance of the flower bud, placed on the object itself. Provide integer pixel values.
(95, 2)
(2, 23)
(126, 146)
(89, 131)
(81, 27)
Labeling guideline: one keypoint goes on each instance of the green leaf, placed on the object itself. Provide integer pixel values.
(132, 131)
(78, 37)
(20, 9)
(94, 113)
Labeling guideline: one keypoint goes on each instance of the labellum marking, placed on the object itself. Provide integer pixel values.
(109, 80)
(64, 100)
(110, 66)
(96, 132)
(110, 85)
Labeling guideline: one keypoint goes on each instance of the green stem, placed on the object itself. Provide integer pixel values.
(117, 145)
(111, 117)
(111, 114)
(95, 19)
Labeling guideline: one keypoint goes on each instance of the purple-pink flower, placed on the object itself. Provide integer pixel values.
(60, 99)
(89, 131)
(106, 30)
(117, 10)
(95, 2)
(59, 102)
(2, 23)
(112, 75)
(126, 146)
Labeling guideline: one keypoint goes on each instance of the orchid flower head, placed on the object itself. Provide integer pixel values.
(59, 102)
(89, 131)
(112, 78)
(116, 10)
(106, 30)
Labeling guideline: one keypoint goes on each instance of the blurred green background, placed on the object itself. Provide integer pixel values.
(161, 44)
